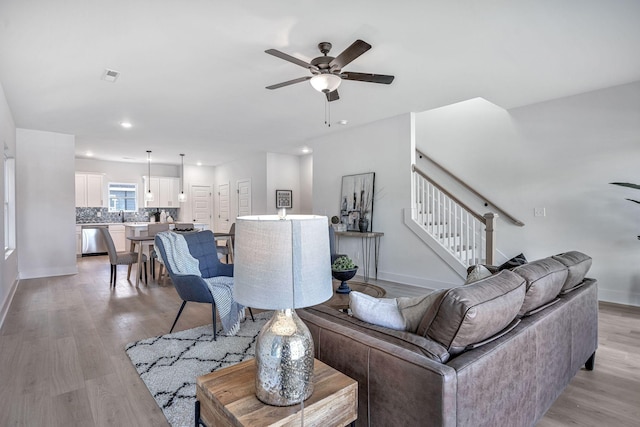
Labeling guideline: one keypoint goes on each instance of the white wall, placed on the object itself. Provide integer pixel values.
(306, 184)
(45, 182)
(283, 173)
(8, 262)
(558, 155)
(252, 167)
(382, 147)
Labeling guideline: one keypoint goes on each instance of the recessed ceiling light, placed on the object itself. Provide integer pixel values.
(305, 150)
(199, 163)
(343, 122)
(126, 125)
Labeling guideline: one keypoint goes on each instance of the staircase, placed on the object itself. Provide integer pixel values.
(460, 236)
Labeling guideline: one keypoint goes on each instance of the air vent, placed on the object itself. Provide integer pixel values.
(110, 75)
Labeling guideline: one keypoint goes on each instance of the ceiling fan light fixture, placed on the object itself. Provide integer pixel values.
(325, 82)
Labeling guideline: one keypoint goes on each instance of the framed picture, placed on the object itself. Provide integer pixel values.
(284, 199)
(356, 201)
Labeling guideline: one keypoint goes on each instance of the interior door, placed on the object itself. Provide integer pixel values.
(223, 208)
(244, 197)
(201, 204)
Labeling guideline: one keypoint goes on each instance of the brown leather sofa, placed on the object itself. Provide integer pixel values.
(449, 372)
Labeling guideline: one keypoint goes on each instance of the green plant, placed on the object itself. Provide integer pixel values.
(343, 263)
(626, 184)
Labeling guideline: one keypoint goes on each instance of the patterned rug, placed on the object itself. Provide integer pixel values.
(169, 364)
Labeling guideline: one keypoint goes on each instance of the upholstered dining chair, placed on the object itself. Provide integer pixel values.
(227, 249)
(121, 258)
(190, 287)
(152, 230)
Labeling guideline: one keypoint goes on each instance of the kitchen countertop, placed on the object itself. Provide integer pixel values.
(126, 224)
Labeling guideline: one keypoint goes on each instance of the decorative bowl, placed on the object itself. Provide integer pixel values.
(343, 276)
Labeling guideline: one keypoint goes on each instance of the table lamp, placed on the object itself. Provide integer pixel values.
(281, 265)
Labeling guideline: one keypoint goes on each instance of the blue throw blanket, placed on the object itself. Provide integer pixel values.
(181, 262)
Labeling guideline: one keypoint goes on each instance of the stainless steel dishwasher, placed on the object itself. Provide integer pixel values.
(92, 240)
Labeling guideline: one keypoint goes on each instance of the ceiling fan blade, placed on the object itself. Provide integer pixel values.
(356, 49)
(289, 82)
(333, 96)
(292, 59)
(367, 77)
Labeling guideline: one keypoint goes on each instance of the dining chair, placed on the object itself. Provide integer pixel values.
(152, 230)
(121, 258)
(227, 249)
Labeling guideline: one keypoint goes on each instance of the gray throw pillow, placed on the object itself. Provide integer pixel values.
(402, 314)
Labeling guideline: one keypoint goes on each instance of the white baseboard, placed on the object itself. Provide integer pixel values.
(48, 272)
(618, 297)
(7, 302)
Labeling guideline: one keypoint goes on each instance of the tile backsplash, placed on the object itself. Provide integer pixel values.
(90, 215)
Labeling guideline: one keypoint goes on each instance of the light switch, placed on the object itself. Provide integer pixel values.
(539, 212)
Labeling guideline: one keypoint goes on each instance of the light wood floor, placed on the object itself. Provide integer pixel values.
(62, 360)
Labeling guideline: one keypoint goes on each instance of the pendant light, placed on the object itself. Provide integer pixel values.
(182, 197)
(148, 196)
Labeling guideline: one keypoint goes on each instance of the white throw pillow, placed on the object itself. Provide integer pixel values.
(378, 311)
(479, 272)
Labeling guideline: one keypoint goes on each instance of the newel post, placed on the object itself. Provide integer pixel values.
(490, 238)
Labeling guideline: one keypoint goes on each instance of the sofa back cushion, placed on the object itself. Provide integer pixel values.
(471, 314)
(578, 264)
(545, 277)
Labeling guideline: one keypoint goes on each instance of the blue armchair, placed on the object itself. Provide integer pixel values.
(202, 246)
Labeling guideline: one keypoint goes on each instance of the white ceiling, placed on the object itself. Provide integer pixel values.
(194, 72)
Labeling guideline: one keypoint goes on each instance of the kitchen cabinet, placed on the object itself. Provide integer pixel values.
(165, 192)
(78, 241)
(117, 233)
(89, 190)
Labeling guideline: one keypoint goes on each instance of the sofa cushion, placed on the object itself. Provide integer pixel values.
(544, 278)
(402, 314)
(578, 265)
(470, 314)
(513, 262)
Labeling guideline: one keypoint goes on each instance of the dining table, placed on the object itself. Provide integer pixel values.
(141, 242)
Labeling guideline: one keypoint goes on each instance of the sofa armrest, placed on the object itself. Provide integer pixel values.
(398, 383)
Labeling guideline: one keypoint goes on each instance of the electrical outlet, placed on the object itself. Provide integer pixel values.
(539, 212)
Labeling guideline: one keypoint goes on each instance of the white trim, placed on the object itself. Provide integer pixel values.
(48, 272)
(8, 301)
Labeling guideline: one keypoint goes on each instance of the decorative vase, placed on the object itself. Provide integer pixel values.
(343, 276)
(363, 225)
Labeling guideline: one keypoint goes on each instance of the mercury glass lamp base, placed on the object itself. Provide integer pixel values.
(284, 360)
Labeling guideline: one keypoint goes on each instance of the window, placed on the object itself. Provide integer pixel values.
(122, 197)
(9, 204)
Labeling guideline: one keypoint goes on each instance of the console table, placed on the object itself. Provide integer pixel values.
(226, 397)
(370, 241)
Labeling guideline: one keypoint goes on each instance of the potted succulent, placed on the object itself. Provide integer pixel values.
(343, 269)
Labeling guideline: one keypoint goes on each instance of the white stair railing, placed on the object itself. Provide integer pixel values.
(464, 234)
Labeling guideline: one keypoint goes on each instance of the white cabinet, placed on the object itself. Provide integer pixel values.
(78, 240)
(165, 192)
(117, 233)
(89, 190)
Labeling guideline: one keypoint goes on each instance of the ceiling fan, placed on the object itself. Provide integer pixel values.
(326, 71)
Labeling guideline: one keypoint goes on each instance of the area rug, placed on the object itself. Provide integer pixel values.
(169, 364)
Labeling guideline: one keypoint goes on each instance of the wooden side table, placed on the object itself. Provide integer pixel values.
(227, 398)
